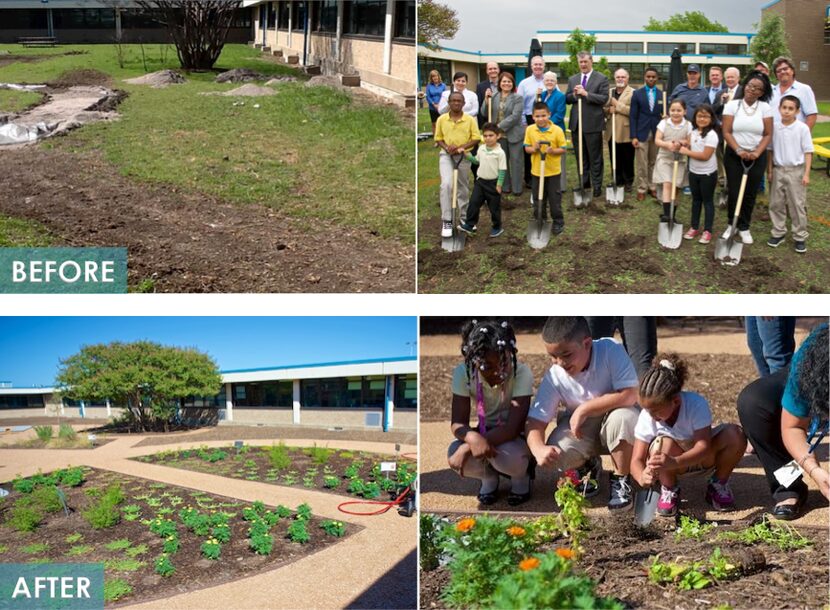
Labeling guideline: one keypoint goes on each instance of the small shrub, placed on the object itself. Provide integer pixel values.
(67, 432)
(46, 499)
(104, 512)
(222, 533)
(356, 487)
(303, 512)
(118, 545)
(261, 543)
(131, 512)
(44, 433)
(211, 549)
(319, 455)
(270, 517)
(282, 511)
(123, 565)
(164, 566)
(330, 482)
(36, 548)
(80, 549)
(333, 528)
(24, 518)
(352, 471)
(163, 528)
(73, 538)
(115, 589)
(431, 532)
(371, 490)
(24, 486)
(72, 477)
(216, 455)
(249, 514)
(137, 550)
(171, 544)
(298, 532)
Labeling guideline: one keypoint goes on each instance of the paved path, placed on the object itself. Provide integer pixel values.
(365, 570)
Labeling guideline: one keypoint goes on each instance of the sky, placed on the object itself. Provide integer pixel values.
(31, 347)
(496, 26)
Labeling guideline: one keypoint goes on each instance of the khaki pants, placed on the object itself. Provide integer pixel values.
(446, 166)
(600, 435)
(644, 157)
(788, 195)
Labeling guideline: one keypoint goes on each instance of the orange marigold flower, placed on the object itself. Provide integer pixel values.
(465, 525)
(530, 563)
(565, 553)
(516, 531)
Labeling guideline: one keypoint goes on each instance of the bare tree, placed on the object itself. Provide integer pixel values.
(198, 28)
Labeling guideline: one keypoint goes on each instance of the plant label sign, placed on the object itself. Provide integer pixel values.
(388, 466)
(788, 473)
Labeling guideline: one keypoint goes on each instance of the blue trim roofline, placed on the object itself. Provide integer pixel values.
(773, 3)
(648, 32)
(319, 364)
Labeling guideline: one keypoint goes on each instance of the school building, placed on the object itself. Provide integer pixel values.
(94, 21)
(807, 23)
(376, 394)
(370, 39)
(632, 50)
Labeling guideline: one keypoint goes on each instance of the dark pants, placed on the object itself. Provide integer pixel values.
(433, 114)
(529, 119)
(771, 341)
(484, 191)
(591, 159)
(759, 408)
(639, 335)
(553, 199)
(625, 162)
(734, 172)
(703, 194)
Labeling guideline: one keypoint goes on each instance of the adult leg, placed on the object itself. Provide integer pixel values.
(563, 179)
(586, 162)
(517, 160)
(756, 346)
(643, 173)
(734, 172)
(639, 334)
(759, 409)
(601, 326)
(463, 189)
(756, 173)
(625, 163)
(777, 336)
(652, 159)
(594, 146)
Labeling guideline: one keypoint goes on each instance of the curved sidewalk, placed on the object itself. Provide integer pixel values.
(332, 578)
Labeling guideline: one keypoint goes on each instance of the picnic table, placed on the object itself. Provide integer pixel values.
(38, 41)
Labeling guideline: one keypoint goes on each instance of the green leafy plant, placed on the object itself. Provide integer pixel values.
(308, 481)
(775, 533)
(72, 477)
(249, 514)
(45, 499)
(211, 548)
(371, 490)
(24, 518)
(163, 527)
(36, 548)
(547, 528)
(289, 479)
(3, 549)
(352, 471)
(164, 566)
(118, 545)
(356, 486)
(546, 581)
(692, 528)
(261, 543)
(171, 544)
(572, 519)
(720, 568)
(319, 455)
(123, 565)
(73, 538)
(154, 502)
(333, 528)
(131, 512)
(696, 575)
(432, 537)
(80, 549)
(104, 512)
(330, 482)
(44, 433)
(139, 549)
(303, 512)
(298, 532)
(221, 532)
(115, 589)
(693, 578)
(346, 455)
(24, 486)
(67, 432)
(282, 511)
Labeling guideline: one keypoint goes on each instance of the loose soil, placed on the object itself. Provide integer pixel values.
(616, 553)
(190, 242)
(193, 571)
(254, 465)
(162, 78)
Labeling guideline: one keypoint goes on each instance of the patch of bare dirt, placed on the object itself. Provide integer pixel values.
(191, 242)
(162, 78)
(82, 77)
(239, 75)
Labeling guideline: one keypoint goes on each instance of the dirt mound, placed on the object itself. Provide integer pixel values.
(249, 90)
(162, 78)
(280, 79)
(240, 75)
(82, 77)
(327, 81)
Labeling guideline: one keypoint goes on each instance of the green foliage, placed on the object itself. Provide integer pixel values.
(123, 565)
(719, 566)
(146, 378)
(356, 487)
(550, 584)
(572, 520)
(198, 523)
(217, 455)
(261, 543)
(432, 537)
(775, 533)
(163, 528)
(436, 22)
(3, 549)
(104, 512)
(547, 528)
(303, 512)
(45, 499)
(118, 545)
(770, 41)
(73, 538)
(44, 433)
(371, 490)
(282, 511)
(36, 548)
(171, 544)
(580, 41)
(131, 512)
(24, 486)
(24, 518)
(333, 528)
(222, 533)
(697, 575)
(249, 514)
(80, 549)
(352, 471)
(481, 551)
(298, 532)
(690, 21)
(211, 548)
(71, 477)
(319, 455)
(115, 589)
(278, 456)
(330, 482)
(692, 528)
(67, 432)
(139, 549)
(163, 565)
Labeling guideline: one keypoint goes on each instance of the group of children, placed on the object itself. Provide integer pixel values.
(677, 139)
(593, 394)
(456, 133)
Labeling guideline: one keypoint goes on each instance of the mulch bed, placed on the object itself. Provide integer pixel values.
(616, 553)
(193, 571)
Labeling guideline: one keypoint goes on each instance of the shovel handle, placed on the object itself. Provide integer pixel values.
(579, 112)
(614, 145)
(674, 180)
(489, 109)
(454, 189)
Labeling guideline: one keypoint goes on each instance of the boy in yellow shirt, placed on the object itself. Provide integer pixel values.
(544, 135)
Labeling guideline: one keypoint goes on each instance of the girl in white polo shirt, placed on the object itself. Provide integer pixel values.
(703, 171)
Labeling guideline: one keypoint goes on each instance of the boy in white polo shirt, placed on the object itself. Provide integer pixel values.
(788, 170)
(595, 382)
(492, 169)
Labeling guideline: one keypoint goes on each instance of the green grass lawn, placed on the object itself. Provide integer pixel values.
(311, 152)
(824, 108)
(20, 233)
(15, 101)
(614, 251)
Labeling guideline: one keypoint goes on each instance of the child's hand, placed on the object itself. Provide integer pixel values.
(458, 458)
(662, 461)
(480, 448)
(577, 420)
(805, 180)
(498, 189)
(647, 478)
(546, 456)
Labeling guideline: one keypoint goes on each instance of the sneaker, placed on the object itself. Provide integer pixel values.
(558, 228)
(746, 236)
(669, 499)
(466, 228)
(691, 234)
(687, 191)
(496, 232)
(446, 230)
(621, 494)
(719, 495)
(774, 242)
(800, 247)
(588, 475)
(727, 233)
(705, 238)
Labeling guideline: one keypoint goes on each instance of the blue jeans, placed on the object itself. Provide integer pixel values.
(771, 341)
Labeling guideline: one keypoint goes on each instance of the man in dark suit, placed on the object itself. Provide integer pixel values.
(592, 88)
(644, 116)
(490, 83)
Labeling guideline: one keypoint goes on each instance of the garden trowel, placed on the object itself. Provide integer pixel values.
(645, 502)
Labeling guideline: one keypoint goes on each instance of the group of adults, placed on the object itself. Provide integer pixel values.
(745, 112)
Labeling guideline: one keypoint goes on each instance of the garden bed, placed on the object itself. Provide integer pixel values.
(616, 556)
(335, 471)
(133, 547)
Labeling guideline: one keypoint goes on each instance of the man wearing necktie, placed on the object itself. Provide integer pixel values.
(592, 88)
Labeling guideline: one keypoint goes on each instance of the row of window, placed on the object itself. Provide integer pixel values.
(360, 17)
(653, 48)
(94, 19)
(21, 402)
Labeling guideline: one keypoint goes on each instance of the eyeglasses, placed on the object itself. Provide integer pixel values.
(754, 87)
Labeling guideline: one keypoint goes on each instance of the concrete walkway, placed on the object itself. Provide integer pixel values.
(348, 574)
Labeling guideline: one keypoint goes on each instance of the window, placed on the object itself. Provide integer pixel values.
(406, 391)
(242, 19)
(339, 392)
(139, 18)
(709, 48)
(24, 19)
(374, 394)
(84, 19)
(21, 401)
(618, 48)
(325, 16)
(428, 64)
(666, 48)
(282, 15)
(272, 15)
(404, 19)
(364, 17)
(264, 394)
(554, 48)
(636, 71)
(298, 16)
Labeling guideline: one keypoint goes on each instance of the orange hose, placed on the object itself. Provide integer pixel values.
(387, 505)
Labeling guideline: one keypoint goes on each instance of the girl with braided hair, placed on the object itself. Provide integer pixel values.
(674, 436)
(776, 411)
(498, 387)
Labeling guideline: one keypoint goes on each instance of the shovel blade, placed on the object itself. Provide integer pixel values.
(723, 198)
(581, 198)
(670, 236)
(538, 233)
(728, 251)
(645, 506)
(454, 243)
(614, 195)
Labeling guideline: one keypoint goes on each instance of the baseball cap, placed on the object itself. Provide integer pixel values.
(693, 68)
